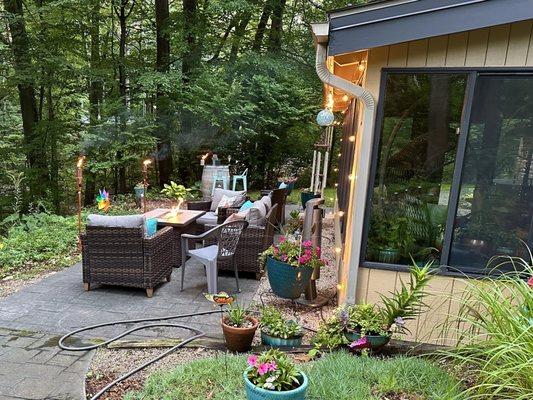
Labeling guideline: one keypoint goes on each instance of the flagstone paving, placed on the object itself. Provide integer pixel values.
(33, 319)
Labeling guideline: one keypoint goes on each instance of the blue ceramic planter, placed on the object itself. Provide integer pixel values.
(389, 255)
(272, 341)
(255, 393)
(376, 341)
(287, 281)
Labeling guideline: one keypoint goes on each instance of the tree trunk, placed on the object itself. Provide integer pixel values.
(239, 34)
(33, 143)
(276, 28)
(261, 26)
(164, 152)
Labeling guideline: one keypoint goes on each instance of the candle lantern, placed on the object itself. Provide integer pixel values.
(146, 163)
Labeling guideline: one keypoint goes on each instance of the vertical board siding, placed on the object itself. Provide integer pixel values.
(508, 45)
(498, 45)
(519, 39)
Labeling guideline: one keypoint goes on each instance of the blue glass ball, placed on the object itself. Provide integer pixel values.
(325, 117)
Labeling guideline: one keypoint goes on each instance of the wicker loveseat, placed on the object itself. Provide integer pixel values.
(124, 256)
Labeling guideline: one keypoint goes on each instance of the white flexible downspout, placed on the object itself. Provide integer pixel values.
(360, 172)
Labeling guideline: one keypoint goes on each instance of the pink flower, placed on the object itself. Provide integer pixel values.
(318, 251)
(307, 243)
(272, 366)
(252, 360)
(282, 239)
(275, 250)
(284, 257)
(262, 369)
(359, 344)
(530, 282)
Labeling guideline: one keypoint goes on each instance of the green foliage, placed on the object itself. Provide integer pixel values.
(237, 315)
(281, 373)
(177, 192)
(338, 375)
(38, 241)
(366, 319)
(408, 301)
(273, 324)
(295, 253)
(495, 330)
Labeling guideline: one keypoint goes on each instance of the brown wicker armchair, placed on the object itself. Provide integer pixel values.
(125, 257)
(254, 240)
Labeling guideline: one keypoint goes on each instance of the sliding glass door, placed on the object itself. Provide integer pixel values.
(495, 211)
(452, 179)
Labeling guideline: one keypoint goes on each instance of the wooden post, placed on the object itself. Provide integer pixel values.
(79, 183)
(146, 163)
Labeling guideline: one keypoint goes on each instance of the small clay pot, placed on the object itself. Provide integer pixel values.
(239, 339)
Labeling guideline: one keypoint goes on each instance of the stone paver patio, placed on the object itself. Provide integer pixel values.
(33, 319)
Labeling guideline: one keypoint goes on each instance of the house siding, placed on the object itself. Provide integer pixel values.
(509, 45)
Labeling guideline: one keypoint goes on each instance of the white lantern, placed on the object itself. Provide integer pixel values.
(325, 117)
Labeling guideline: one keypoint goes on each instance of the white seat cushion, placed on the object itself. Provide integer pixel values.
(257, 214)
(209, 218)
(205, 254)
(267, 201)
(116, 221)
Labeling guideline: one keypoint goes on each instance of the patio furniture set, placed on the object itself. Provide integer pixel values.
(227, 232)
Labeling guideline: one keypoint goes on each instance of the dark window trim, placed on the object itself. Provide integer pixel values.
(473, 73)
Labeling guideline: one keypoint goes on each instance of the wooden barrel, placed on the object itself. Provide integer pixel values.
(207, 178)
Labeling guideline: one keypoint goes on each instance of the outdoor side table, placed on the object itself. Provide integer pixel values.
(183, 222)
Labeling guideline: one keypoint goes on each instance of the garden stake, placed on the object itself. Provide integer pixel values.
(79, 181)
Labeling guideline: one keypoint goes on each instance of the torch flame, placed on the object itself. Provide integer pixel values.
(80, 161)
(147, 162)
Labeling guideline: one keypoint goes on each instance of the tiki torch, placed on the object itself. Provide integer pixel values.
(146, 163)
(79, 182)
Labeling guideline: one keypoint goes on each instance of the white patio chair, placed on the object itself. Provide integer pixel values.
(227, 236)
(243, 178)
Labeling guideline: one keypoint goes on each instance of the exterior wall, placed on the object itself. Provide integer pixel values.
(508, 45)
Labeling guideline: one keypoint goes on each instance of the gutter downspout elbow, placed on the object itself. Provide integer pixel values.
(361, 172)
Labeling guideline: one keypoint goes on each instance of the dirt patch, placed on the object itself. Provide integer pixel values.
(9, 285)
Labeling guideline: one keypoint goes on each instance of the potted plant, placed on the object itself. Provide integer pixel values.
(367, 326)
(290, 266)
(272, 375)
(306, 195)
(239, 328)
(389, 237)
(178, 192)
(276, 331)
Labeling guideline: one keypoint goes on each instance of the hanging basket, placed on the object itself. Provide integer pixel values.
(287, 281)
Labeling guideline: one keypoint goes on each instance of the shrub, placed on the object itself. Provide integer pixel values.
(494, 327)
(38, 241)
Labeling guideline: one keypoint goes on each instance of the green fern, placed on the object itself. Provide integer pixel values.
(408, 301)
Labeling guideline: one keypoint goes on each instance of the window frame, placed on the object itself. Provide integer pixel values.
(472, 75)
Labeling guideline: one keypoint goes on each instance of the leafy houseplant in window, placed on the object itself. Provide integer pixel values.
(290, 265)
(239, 328)
(272, 375)
(368, 326)
(389, 238)
(276, 331)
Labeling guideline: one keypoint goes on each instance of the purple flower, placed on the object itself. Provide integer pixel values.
(359, 344)
(399, 321)
(252, 360)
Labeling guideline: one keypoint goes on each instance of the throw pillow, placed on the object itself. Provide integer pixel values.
(247, 205)
(151, 227)
(235, 217)
(282, 185)
(225, 201)
(267, 201)
(217, 196)
(257, 214)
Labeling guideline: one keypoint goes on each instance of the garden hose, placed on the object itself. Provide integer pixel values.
(197, 334)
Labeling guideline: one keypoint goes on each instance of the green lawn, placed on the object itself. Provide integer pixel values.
(339, 376)
(329, 196)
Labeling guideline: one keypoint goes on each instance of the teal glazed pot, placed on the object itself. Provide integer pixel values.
(255, 393)
(376, 341)
(139, 192)
(306, 196)
(272, 341)
(287, 281)
(389, 255)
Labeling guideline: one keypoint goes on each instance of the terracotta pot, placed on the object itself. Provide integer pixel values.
(239, 339)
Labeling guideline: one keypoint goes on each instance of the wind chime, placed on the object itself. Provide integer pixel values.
(322, 149)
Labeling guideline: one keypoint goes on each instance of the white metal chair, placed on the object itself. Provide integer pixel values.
(243, 178)
(227, 236)
(217, 178)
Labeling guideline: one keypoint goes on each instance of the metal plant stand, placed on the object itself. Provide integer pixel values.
(312, 231)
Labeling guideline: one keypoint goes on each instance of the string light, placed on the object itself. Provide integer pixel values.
(352, 138)
(338, 250)
(336, 169)
(351, 177)
(345, 98)
(336, 185)
(341, 213)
